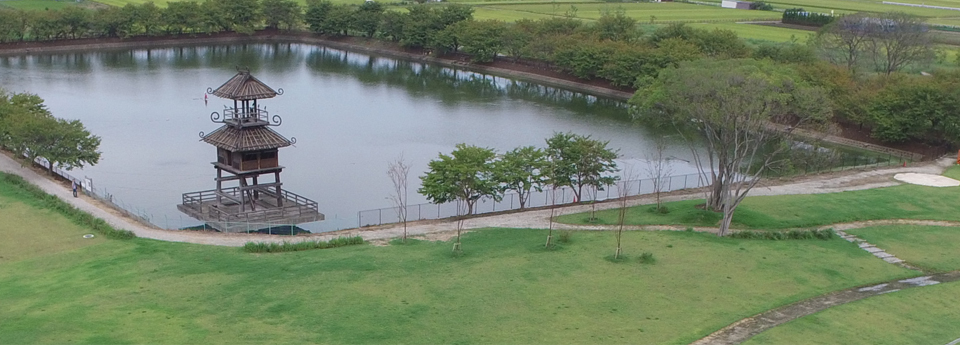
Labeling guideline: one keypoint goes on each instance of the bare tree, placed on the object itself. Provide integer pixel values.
(626, 183)
(844, 41)
(899, 39)
(889, 40)
(659, 169)
(398, 171)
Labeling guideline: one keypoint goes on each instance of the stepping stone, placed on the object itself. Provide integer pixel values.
(892, 260)
(883, 255)
(872, 249)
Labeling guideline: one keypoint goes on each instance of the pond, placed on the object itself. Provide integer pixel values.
(350, 113)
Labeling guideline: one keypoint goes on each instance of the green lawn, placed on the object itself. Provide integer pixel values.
(506, 289)
(925, 315)
(930, 247)
(799, 211)
(30, 232)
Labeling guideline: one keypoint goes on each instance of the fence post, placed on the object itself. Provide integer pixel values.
(380, 215)
(358, 219)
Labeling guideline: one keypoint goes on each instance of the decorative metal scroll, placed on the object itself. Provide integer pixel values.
(276, 120)
(202, 135)
(280, 91)
(210, 90)
(293, 140)
(215, 117)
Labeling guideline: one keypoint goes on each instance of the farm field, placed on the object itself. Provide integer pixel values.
(810, 210)
(929, 247)
(505, 289)
(927, 315)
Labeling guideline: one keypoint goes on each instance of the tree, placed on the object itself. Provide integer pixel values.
(522, 170)
(465, 175)
(76, 21)
(398, 171)
(579, 161)
(731, 105)
(899, 39)
(919, 108)
(844, 41)
(281, 14)
(317, 13)
(482, 40)
(616, 26)
(659, 168)
(181, 16)
(150, 17)
(237, 15)
(622, 193)
(31, 131)
(368, 17)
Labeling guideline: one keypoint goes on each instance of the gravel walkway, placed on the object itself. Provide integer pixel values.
(827, 183)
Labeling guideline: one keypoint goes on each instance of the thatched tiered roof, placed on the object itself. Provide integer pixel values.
(244, 87)
(239, 139)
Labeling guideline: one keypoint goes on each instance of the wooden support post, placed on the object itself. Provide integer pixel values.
(256, 193)
(243, 200)
(219, 186)
(279, 192)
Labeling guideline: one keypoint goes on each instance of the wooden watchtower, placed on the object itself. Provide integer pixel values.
(249, 195)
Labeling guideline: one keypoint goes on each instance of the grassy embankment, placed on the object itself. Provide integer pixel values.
(506, 289)
(801, 211)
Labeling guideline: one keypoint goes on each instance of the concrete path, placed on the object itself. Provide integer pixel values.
(828, 183)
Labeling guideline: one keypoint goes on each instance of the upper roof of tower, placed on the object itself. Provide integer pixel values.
(246, 139)
(244, 87)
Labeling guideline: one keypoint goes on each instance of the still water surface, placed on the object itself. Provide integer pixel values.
(351, 114)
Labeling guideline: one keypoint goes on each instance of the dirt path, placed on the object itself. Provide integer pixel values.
(836, 182)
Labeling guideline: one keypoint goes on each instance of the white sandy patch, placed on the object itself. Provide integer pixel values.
(927, 180)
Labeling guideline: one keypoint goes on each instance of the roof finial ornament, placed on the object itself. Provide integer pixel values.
(244, 70)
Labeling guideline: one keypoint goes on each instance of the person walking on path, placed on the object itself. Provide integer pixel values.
(74, 186)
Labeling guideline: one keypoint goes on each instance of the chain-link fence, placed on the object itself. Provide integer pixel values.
(565, 195)
(86, 186)
(511, 201)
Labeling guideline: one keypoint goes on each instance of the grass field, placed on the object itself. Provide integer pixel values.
(798, 211)
(36, 5)
(664, 12)
(929, 247)
(759, 32)
(927, 315)
(506, 289)
(36, 232)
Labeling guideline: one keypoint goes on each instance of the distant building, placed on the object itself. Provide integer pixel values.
(741, 5)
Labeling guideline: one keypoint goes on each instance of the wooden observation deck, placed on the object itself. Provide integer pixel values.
(247, 149)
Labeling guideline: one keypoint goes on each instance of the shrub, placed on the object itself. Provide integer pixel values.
(825, 234)
(273, 247)
(565, 236)
(646, 258)
(800, 17)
